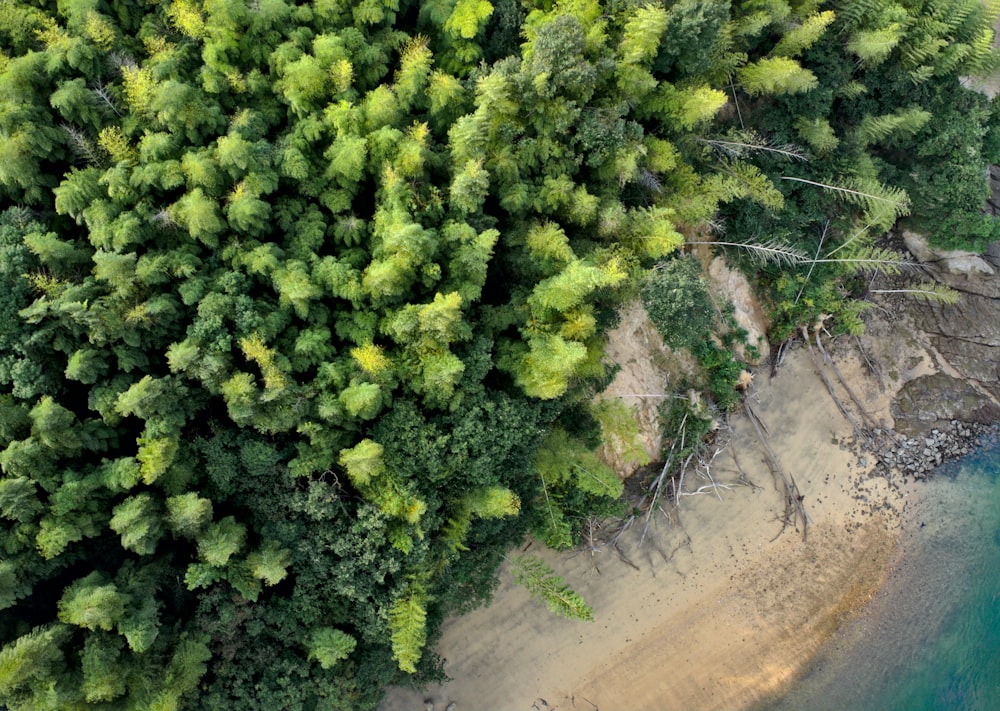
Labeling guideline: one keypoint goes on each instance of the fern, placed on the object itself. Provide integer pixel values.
(880, 202)
(873, 47)
(456, 528)
(746, 142)
(690, 106)
(797, 39)
(818, 133)
(871, 258)
(408, 627)
(773, 251)
(493, 502)
(983, 57)
(851, 90)
(952, 58)
(620, 430)
(938, 293)
(566, 466)
(968, 28)
(598, 480)
(543, 584)
(953, 13)
(643, 30)
(776, 75)
(328, 645)
(725, 60)
(922, 50)
(852, 13)
(849, 316)
(554, 530)
(745, 180)
(902, 122)
(921, 74)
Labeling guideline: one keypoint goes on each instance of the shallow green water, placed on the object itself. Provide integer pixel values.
(931, 637)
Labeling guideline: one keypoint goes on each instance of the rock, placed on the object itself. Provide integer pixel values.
(732, 286)
(992, 254)
(932, 400)
(967, 335)
(950, 261)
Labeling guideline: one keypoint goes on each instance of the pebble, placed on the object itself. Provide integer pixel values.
(919, 457)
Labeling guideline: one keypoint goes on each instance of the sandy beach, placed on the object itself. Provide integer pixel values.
(723, 608)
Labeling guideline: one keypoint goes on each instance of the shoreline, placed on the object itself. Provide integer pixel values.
(724, 610)
(897, 652)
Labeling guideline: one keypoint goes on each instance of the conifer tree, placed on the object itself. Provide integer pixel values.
(542, 582)
(299, 299)
(407, 621)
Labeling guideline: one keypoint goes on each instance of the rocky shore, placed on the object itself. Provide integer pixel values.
(941, 362)
(918, 457)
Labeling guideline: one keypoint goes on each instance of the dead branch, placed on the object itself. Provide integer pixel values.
(590, 531)
(679, 480)
(685, 542)
(744, 477)
(873, 368)
(102, 92)
(847, 388)
(829, 387)
(659, 491)
(708, 488)
(704, 468)
(794, 509)
(624, 558)
(812, 265)
(655, 489)
(778, 357)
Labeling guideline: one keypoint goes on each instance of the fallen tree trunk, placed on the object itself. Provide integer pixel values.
(795, 511)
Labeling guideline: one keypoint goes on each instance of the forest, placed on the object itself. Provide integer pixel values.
(304, 302)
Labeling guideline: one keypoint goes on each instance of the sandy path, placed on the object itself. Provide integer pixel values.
(720, 613)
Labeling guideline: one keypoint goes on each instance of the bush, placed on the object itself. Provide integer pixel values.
(676, 298)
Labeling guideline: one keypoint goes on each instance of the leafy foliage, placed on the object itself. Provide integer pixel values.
(676, 297)
(542, 582)
(302, 302)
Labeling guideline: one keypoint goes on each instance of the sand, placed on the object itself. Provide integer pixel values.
(723, 608)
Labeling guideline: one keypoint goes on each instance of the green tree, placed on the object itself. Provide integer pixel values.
(92, 602)
(408, 624)
(542, 582)
(318, 291)
(328, 645)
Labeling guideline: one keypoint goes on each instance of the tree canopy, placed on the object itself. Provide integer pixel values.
(305, 301)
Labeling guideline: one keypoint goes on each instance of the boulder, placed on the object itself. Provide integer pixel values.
(967, 335)
(949, 261)
(934, 401)
(992, 254)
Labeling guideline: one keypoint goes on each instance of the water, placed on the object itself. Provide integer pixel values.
(930, 640)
